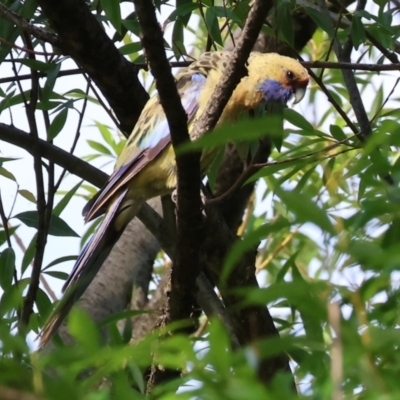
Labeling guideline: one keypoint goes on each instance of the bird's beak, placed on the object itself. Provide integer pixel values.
(299, 93)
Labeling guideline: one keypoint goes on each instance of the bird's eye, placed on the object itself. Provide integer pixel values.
(290, 75)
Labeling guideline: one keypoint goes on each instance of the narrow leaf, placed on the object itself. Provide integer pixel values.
(58, 209)
(29, 254)
(58, 227)
(305, 209)
(57, 124)
(7, 268)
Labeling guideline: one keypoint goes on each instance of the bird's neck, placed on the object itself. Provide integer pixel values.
(244, 97)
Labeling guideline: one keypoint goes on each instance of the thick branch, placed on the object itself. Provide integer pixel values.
(126, 272)
(186, 256)
(84, 39)
(61, 157)
(250, 323)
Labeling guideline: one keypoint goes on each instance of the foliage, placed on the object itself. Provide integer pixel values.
(325, 218)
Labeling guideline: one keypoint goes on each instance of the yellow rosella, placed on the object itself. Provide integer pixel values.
(146, 167)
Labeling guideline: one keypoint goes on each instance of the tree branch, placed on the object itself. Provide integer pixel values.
(183, 278)
(72, 164)
(22, 23)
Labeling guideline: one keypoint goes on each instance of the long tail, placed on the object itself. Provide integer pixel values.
(90, 260)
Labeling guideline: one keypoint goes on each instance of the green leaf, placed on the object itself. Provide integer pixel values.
(7, 174)
(3, 236)
(29, 254)
(392, 234)
(225, 12)
(57, 274)
(272, 169)
(58, 209)
(27, 195)
(84, 330)
(59, 261)
(57, 227)
(297, 119)
(321, 19)
(130, 48)
(337, 132)
(12, 298)
(357, 32)
(178, 41)
(213, 169)
(28, 9)
(184, 10)
(7, 268)
(132, 25)
(57, 124)
(99, 147)
(6, 159)
(250, 241)
(306, 296)
(374, 285)
(113, 12)
(246, 130)
(305, 209)
(220, 354)
(108, 136)
(43, 303)
(36, 64)
(212, 25)
(285, 21)
(52, 75)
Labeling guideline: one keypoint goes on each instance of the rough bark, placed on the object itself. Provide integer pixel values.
(127, 270)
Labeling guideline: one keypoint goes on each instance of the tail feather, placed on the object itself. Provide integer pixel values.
(86, 267)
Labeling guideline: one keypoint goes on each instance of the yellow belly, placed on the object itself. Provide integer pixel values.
(158, 177)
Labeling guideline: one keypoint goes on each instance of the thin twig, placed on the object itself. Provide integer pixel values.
(77, 135)
(100, 100)
(22, 23)
(43, 280)
(277, 250)
(43, 218)
(385, 102)
(253, 168)
(228, 25)
(29, 51)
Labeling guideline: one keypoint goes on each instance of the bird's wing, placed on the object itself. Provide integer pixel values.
(95, 245)
(149, 138)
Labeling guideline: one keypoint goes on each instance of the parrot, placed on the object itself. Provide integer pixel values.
(146, 167)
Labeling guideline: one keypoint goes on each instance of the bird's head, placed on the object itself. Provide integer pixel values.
(279, 78)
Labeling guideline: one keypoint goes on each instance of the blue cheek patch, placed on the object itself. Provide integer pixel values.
(275, 91)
